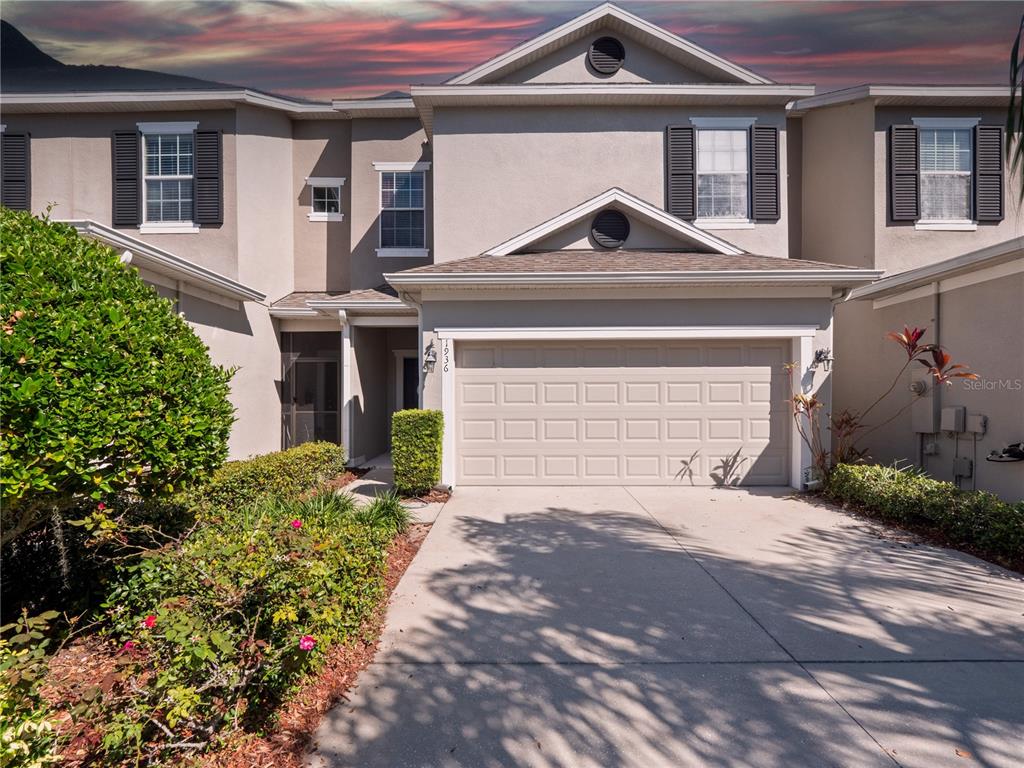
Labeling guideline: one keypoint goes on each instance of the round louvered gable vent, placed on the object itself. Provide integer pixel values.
(610, 229)
(606, 55)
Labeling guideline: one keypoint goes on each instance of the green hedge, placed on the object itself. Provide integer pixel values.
(977, 518)
(416, 450)
(282, 474)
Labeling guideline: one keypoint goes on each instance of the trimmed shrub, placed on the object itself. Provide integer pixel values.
(416, 450)
(106, 389)
(215, 632)
(977, 518)
(283, 474)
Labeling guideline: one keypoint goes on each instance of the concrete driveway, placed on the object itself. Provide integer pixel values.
(652, 627)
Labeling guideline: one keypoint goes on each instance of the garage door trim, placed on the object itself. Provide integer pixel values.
(801, 336)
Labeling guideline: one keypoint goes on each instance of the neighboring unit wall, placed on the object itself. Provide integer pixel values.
(321, 148)
(382, 140)
(837, 215)
(900, 246)
(981, 327)
(500, 171)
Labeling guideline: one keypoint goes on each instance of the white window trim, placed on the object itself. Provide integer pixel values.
(168, 227)
(401, 253)
(949, 225)
(325, 181)
(946, 122)
(404, 253)
(724, 223)
(722, 123)
(401, 166)
(166, 127)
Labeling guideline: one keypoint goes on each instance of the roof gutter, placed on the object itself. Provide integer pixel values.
(147, 256)
(832, 277)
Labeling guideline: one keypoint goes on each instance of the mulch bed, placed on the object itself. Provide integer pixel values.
(436, 496)
(299, 718)
(909, 536)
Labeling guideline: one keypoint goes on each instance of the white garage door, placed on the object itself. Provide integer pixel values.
(700, 413)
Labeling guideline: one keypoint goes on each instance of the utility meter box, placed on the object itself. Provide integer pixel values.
(954, 419)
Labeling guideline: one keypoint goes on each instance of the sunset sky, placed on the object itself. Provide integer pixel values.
(327, 49)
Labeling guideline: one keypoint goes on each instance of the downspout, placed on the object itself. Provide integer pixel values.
(407, 299)
(936, 390)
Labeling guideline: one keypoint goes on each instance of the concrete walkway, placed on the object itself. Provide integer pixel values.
(655, 627)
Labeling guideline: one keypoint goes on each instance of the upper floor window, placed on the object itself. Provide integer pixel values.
(168, 175)
(722, 174)
(403, 209)
(325, 198)
(946, 165)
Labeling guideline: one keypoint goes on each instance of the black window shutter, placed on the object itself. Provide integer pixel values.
(15, 171)
(127, 170)
(681, 171)
(988, 173)
(764, 163)
(209, 185)
(904, 173)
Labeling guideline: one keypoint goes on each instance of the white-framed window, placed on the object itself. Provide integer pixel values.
(168, 173)
(325, 198)
(946, 157)
(723, 177)
(403, 214)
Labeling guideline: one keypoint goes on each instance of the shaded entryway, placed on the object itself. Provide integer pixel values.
(649, 626)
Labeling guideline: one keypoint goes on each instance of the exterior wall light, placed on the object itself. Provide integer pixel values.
(429, 359)
(823, 357)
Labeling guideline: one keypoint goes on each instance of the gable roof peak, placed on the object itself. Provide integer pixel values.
(610, 15)
(636, 207)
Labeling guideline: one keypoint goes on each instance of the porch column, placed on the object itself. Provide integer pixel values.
(346, 384)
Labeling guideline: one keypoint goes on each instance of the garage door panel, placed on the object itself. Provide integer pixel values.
(604, 413)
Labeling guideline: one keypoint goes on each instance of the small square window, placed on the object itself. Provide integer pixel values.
(326, 200)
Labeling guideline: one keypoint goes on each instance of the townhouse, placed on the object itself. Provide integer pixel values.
(595, 252)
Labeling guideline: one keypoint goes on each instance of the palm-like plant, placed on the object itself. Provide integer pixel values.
(1015, 113)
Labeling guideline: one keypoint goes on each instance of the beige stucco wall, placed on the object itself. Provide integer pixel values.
(572, 309)
(569, 65)
(266, 212)
(502, 171)
(382, 140)
(71, 168)
(837, 185)
(244, 338)
(898, 245)
(321, 148)
(980, 326)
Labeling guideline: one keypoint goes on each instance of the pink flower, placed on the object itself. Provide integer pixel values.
(307, 643)
(128, 647)
(296, 524)
(101, 506)
(150, 621)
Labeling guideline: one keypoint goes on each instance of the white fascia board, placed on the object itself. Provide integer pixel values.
(631, 203)
(628, 332)
(293, 312)
(147, 256)
(98, 98)
(353, 306)
(834, 277)
(375, 107)
(909, 94)
(436, 95)
(913, 278)
(638, 26)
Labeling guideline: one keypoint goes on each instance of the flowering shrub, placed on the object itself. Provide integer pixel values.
(26, 726)
(218, 629)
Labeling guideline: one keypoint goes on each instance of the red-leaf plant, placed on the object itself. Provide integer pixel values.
(848, 427)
